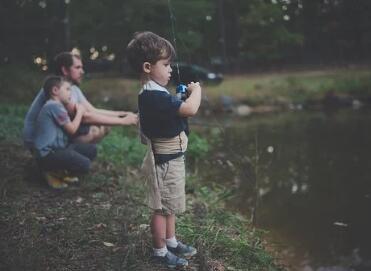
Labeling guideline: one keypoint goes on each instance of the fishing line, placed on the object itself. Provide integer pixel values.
(172, 21)
(238, 157)
(173, 32)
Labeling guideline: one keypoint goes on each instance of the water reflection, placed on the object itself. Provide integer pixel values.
(314, 185)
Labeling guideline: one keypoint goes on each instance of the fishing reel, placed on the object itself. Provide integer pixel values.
(181, 92)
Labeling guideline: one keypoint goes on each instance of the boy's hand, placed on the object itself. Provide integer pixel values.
(80, 109)
(71, 108)
(190, 106)
(193, 86)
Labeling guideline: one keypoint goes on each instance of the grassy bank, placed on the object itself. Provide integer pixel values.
(294, 87)
(102, 224)
(282, 89)
(278, 89)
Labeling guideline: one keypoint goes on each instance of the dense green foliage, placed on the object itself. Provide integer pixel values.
(239, 33)
(11, 122)
(19, 83)
(121, 148)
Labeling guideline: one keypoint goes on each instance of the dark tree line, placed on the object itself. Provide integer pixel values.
(239, 34)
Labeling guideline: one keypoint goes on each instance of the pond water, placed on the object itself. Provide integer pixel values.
(313, 173)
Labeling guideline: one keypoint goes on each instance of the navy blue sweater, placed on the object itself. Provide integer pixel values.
(159, 114)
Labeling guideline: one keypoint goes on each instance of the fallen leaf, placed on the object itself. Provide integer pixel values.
(341, 224)
(143, 226)
(107, 244)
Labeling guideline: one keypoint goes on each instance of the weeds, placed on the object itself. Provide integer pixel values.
(104, 224)
(223, 235)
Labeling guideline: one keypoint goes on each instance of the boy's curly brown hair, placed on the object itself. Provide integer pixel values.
(148, 47)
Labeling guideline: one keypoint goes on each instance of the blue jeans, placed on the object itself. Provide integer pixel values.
(76, 159)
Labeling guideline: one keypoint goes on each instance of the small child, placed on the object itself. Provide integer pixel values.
(52, 148)
(163, 124)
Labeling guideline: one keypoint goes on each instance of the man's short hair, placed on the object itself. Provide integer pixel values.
(51, 82)
(64, 59)
(148, 47)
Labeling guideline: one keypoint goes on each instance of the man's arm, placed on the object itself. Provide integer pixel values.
(190, 106)
(90, 107)
(92, 117)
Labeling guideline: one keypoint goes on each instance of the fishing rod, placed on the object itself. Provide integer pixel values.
(181, 92)
(181, 89)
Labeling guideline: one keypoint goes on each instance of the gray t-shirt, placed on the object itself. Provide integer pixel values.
(49, 133)
(30, 120)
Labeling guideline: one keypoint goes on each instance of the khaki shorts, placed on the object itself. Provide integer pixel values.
(167, 189)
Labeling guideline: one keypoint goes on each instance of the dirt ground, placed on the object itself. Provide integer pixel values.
(98, 224)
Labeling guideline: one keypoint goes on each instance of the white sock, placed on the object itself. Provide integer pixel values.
(160, 251)
(172, 242)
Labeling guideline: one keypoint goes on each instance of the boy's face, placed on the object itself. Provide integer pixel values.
(64, 93)
(75, 72)
(160, 72)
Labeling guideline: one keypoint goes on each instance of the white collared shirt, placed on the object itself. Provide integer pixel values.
(152, 85)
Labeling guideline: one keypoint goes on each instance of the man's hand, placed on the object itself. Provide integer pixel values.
(122, 114)
(130, 119)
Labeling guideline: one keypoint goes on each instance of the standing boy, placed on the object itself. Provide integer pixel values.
(162, 120)
(53, 127)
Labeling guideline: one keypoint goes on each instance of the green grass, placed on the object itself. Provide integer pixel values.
(121, 148)
(11, 122)
(112, 92)
(20, 84)
(60, 231)
(292, 87)
(281, 88)
(113, 194)
(226, 236)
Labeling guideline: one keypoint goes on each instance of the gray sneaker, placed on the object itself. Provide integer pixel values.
(183, 250)
(171, 260)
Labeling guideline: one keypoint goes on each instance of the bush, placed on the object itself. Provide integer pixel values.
(19, 83)
(197, 146)
(122, 148)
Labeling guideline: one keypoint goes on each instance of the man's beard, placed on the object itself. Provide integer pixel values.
(74, 82)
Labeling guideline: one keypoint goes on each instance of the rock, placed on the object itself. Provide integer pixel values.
(243, 110)
(356, 104)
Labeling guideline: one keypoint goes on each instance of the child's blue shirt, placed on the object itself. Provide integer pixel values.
(49, 133)
(159, 112)
(30, 120)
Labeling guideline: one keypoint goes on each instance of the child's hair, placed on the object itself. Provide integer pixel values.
(148, 47)
(51, 82)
